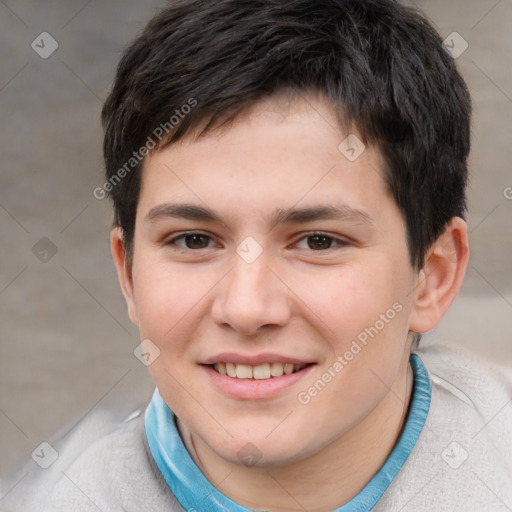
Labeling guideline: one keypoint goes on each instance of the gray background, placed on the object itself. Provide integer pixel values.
(67, 345)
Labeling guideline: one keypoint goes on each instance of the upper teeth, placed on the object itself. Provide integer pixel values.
(261, 371)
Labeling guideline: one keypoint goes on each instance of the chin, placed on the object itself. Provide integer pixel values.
(261, 452)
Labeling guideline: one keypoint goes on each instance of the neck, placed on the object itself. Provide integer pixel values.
(324, 481)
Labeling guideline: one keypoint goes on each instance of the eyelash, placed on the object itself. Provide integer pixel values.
(340, 243)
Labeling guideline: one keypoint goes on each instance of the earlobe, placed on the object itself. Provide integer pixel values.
(441, 277)
(124, 271)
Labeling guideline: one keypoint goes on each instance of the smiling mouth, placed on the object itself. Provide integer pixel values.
(260, 372)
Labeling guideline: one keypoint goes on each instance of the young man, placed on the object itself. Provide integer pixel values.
(288, 182)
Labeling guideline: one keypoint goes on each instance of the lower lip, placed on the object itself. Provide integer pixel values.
(255, 389)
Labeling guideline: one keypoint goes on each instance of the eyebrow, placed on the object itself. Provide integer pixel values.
(278, 217)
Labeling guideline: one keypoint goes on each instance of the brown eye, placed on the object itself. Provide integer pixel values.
(196, 241)
(319, 242)
(191, 241)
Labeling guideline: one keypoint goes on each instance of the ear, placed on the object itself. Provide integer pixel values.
(124, 271)
(441, 276)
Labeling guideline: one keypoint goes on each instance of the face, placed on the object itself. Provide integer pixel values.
(265, 249)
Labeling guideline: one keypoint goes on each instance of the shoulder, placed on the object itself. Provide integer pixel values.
(112, 471)
(463, 457)
(468, 368)
(116, 471)
(470, 386)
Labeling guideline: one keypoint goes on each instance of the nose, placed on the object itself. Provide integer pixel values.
(250, 297)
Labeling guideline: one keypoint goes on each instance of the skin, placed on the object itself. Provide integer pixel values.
(294, 299)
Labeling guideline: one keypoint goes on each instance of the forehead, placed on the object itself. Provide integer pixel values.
(281, 152)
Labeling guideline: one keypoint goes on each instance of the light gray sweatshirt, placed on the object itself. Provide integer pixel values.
(461, 461)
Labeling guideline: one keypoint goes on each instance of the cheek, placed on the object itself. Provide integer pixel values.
(364, 317)
(370, 315)
(169, 301)
(167, 298)
(350, 299)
